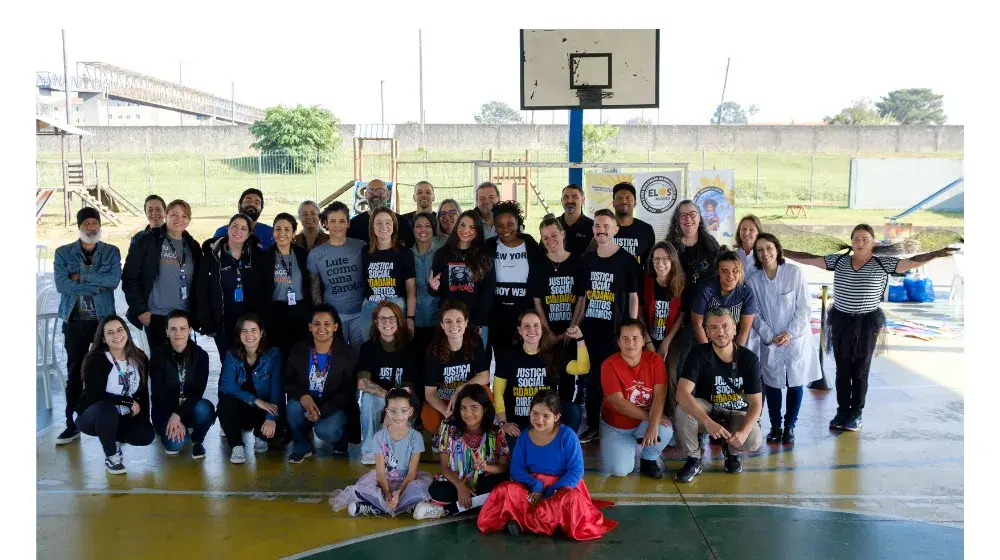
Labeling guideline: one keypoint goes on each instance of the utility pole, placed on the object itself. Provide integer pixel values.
(724, 82)
(62, 137)
(420, 52)
(180, 82)
(233, 93)
(381, 89)
(66, 77)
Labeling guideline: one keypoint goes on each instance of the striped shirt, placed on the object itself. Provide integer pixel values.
(859, 291)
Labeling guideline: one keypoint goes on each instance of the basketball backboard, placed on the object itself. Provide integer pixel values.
(590, 69)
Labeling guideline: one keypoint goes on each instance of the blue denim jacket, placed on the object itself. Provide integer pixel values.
(427, 305)
(105, 274)
(266, 378)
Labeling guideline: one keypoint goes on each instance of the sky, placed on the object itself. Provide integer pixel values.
(798, 73)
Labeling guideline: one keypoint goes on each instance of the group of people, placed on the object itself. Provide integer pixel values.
(367, 329)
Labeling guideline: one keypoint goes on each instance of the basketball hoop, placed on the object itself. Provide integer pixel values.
(592, 98)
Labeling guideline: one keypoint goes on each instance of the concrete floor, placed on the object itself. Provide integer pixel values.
(893, 490)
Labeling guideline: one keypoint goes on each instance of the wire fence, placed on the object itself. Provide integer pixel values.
(209, 180)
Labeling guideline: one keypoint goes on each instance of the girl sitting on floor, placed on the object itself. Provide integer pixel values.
(546, 492)
(474, 456)
(395, 485)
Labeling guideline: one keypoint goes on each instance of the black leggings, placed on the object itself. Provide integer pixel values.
(77, 336)
(103, 420)
(236, 416)
(445, 492)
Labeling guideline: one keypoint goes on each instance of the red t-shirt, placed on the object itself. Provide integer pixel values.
(634, 383)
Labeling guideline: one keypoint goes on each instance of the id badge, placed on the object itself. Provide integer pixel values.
(291, 298)
(238, 295)
(184, 292)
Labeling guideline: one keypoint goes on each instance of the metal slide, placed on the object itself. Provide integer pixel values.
(929, 200)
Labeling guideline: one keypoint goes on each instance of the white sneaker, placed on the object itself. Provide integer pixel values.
(368, 459)
(260, 445)
(428, 510)
(238, 456)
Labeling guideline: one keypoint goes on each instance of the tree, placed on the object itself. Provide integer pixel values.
(732, 113)
(301, 133)
(861, 112)
(752, 110)
(498, 112)
(595, 141)
(638, 121)
(913, 106)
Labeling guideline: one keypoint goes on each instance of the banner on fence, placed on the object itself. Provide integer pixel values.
(360, 205)
(714, 192)
(657, 195)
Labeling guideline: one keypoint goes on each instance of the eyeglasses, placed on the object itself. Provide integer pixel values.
(659, 260)
(399, 411)
(449, 213)
(689, 216)
(378, 191)
(386, 320)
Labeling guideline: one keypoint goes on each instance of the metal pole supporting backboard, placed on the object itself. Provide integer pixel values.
(576, 145)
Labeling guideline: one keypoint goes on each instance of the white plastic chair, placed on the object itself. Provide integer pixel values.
(42, 257)
(46, 360)
(956, 296)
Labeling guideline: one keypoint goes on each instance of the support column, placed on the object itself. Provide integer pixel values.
(576, 145)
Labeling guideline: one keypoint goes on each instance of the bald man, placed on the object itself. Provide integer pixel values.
(377, 195)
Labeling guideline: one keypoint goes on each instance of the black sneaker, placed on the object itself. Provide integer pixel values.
(590, 435)
(774, 436)
(296, 458)
(340, 447)
(853, 422)
(788, 438)
(650, 468)
(733, 463)
(363, 508)
(197, 451)
(838, 421)
(115, 464)
(691, 469)
(512, 528)
(68, 435)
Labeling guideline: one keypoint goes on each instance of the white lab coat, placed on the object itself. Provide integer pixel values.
(748, 265)
(783, 306)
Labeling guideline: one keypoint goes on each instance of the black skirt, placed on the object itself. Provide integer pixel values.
(855, 335)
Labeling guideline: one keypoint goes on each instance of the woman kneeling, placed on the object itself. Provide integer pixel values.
(547, 490)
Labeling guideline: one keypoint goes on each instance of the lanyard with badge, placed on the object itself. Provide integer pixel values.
(238, 293)
(181, 375)
(318, 378)
(287, 267)
(122, 377)
(183, 275)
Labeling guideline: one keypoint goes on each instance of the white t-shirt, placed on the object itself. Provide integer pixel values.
(122, 380)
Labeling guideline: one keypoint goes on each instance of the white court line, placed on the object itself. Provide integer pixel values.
(380, 534)
(940, 497)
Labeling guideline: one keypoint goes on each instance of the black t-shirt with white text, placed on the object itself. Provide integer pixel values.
(386, 273)
(607, 283)
(709, 374)
(637, 239)
(553, 283)
(388, 369)
(526, 375)
(447, 377)
(579, 235)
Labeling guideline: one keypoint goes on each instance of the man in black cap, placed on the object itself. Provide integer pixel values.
(377, 196)
(251, 203)
(634, 235)
(86, 273)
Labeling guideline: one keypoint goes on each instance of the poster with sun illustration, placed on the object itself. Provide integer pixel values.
(657, 194)
(715, 195)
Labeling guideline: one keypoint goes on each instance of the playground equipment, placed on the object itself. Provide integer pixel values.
(509, 178)
(895, 230)
(378, 137)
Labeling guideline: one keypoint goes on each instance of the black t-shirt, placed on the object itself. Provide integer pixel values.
(698, 263)
(448, 376)
(607, 283)
(526, 375)
(248, 385)
(709, 374)
(388, 369)
(578, 235)
(637, 239)
(661, 312)
(553, 283)
(358, 229)
(386, 273)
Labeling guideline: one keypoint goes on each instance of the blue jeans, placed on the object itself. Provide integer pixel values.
(329, 429)
(353, 333)
(371, 417)
(484, 332)
(197, 422)
(572, 415)
(618, 447)
(794, 401)
(366, 315)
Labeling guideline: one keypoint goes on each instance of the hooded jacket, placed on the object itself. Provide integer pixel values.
(208, 286)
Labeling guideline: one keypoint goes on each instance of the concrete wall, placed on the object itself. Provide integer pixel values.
(550, 138)
(900, 182)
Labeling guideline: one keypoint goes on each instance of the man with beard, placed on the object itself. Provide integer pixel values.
(719, 392)
(578, 227)
(251, 203)
(487, 194)
(423, 195)
(634, 235)
(86, 274)
(377, 195)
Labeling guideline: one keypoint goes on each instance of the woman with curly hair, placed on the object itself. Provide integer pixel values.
(455, 358)
(513, 251)
(463, 271)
